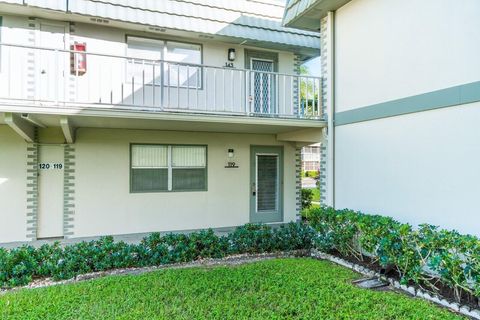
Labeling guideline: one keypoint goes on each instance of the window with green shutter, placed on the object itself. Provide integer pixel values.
(157, 168)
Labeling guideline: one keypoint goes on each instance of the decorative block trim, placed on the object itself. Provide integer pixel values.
(323, 176)
(32, 191)
(68, 191)
(72, 87)
(323, 62)
(30, 89)
(324, 90)
(297, 62)
(298, 182)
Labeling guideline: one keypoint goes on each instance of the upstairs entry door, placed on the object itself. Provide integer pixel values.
(52, 65)
(263, 83)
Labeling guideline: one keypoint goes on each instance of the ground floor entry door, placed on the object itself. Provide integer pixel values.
(50, 191)
(266, 182)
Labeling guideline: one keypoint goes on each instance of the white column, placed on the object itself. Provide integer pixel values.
(330, 109)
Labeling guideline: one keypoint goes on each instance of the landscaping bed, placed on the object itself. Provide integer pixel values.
(21, 266)
(440, 265)
(440, 262)
(285, 288)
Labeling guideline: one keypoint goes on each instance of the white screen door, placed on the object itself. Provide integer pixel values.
(263, 83)
(266, 184)
(50, 191)
(52, 64)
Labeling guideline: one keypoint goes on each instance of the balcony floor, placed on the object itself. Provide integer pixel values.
(96, 117)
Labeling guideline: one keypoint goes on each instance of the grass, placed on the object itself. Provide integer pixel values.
(316, 194)
(272, 289)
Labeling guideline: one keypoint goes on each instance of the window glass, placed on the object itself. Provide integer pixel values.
(189, 179)
(188, 156)
(149, 156)
(183, 75)
(189, 168)
(146, 54)
(141, 71)
(183, 52)
(168, 168)
(149, 180)
(142, 48)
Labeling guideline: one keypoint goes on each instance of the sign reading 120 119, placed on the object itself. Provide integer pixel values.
(50, 166)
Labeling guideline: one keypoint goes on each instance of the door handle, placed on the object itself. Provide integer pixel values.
(254, 190)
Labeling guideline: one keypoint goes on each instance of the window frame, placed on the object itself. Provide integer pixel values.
(1, 39)
(163, 55)
(169, 166)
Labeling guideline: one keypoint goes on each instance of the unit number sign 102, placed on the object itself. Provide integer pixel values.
(50, 166)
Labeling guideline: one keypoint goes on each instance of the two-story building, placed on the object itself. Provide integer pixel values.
(402, 99)
(311, 158)
(121, 117)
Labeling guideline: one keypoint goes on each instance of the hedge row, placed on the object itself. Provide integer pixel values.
(21, 265)
(427, 256)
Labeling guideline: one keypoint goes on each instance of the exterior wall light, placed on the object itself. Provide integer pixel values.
(231, 153)
(231, 54)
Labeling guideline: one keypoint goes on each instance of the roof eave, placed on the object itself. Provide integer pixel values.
(309, 17)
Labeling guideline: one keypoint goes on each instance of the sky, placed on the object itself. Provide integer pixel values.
(314, 67)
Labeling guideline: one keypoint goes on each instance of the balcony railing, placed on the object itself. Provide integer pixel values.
(55, 77)
(310, 157)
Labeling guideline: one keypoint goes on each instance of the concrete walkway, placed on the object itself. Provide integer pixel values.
(309, 183)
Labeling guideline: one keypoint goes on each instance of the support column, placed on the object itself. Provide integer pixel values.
(32, 190)
(298, 181)
(68, 191)
(327, 149)
(296, 85)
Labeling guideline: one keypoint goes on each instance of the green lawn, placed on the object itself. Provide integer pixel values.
(316, 194)
(273, 289)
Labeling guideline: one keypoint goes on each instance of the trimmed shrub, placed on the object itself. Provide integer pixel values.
(17, 266)
(307, 197)
(423, 255)
(293, 237)
(251, 238)
(21, 265)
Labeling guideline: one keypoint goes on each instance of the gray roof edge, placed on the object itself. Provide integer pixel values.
(321, 6)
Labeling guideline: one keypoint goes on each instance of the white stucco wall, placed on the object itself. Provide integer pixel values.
(392, 49)
(13, 183)
(104, 204)
(418, 168)
(421, 167)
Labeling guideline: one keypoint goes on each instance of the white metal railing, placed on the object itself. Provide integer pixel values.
(49, 77)
(310, 157)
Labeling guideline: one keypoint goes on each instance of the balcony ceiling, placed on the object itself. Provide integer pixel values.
(166, 121)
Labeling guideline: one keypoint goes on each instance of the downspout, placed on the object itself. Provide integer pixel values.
(331, 108)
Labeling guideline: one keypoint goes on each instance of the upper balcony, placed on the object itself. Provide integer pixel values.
(54, 78)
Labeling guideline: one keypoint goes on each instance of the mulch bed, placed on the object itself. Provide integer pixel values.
(390, 272)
